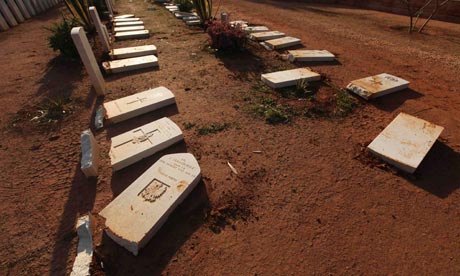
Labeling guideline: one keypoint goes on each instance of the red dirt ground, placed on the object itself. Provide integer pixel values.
(312, 203)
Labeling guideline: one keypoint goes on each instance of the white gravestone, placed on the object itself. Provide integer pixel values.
(128, 29)
(135, 51)
(138, 104)
(124, 16)
(127, 19)
(193, 22)
(284, 42)
(89, 154)
(127, 24)
(142, 142)
(82, 263)
(405, 142)
(377, 86)
(137, 214)
(287, 78)
(130, 64)
(132, 35)
(262, 36)
(310, 55)
(190, 18)
(100, 31)
(8, 15)
(87, 56)
(255, 29)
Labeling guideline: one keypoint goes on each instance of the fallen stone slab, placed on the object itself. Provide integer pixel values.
(124, 16)
(128, 29)
(190, 18)
(82, 263)
(255, 29)
(310, 55)
(193, 22)
(130, 52)
(128, 24)
(132, 35)
(140, 103)
(405, 142)
(89, 154)
(287, 78)
(377, 86)
(262, 36)
(137, 214)
(181, 15)
(142, 142)
(130, 64)
(127, 19)
(281, 43)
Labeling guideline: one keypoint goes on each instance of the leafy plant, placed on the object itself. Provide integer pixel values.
(203, 9)
(225, 37)
(79, 10)
(272, 112)
(185, 5)
(60, 38)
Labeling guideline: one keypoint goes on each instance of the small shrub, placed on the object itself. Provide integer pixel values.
(225, 37)
(213, 128)
(275, 116)
(185, 5)
(60, 38)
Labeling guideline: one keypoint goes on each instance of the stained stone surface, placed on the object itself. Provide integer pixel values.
(405, 142)
(132, 34)
(130, 64)
(310, 55)
(287, 78)
(377, 86)
(284, 42)
(141, 142)
(262, 36)
(134, 216)
(137, 104)
(130, 52)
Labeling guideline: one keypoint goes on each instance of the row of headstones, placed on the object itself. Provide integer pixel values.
(13, 12)
(189, 18)
(404, 143)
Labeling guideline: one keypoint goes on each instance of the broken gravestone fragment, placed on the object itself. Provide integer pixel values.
(89, 154)
(82, 263)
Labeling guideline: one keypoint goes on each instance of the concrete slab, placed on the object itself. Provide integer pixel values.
(281, 43)
(190, 18)
(135, 216)
(124, 16)
(130, 52)
(377, 86)
(255, 29)
(137, 104)
(310, 55)
(405, 142)
(181, 15)
(171, 7)
(262, 36)
(130, 64)
(287, 78)
(7, 14)
(132, 35)
(89, 154)
(15, 10)
(82, 263)
(128, 24)
(142, 142)
(127, 19)
(3, 25)
(128, 29)
(193, 22)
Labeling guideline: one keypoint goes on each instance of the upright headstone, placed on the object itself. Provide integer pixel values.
(134, 216)
(3, 25)
(81, 266)
(9, 17)
(23, 9)
(141, 142)
(30, 7)
(100, 31)
(15, 10)
(89, 154)
(87, 56)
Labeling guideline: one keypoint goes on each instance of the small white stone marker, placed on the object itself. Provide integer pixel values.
(138, 104)
(87, 56)
(172, 7)
(127, 19)
(287, 78)
(3, 25)
(82, 263)
(127, 24)
(89, 154)
(130, 52)
(284, 42)
(193, 22)
(377, 86)
(310, 55)
(262, 36)
(135, 216)
(124, 16)
(8, 15)
(128, 29)
(141, 142)
(15, 10)
(405, 142)
(255, 29)
(132, 35)
(130, 64)
(190, 18)
(99, 28)
(181, 15)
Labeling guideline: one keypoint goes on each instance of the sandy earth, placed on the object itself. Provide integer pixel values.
(312, 203)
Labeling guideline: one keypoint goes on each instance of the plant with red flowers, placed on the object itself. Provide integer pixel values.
(225, 37)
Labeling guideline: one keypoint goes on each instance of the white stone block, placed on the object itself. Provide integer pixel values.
(135, 216)
(132, 35)
(287, 78)
(128, 24)
(193, 22)
(3, 25)
(136, 51)
(128, 29)
(310, 55)
(190, 18)
(23, 9)
(171, 7)
(127, 19)
(140, 103)
(142, 142)
(181, 15)
(262, 36)
(130, 64)
(377, 86)
(255, 29)
(81, 266)
(405, 142)
(284, 42)
(124, 16)
(89, 154)
(7, 14)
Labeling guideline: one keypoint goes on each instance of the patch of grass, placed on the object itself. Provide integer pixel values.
(189, 125)
(52, 110)
(344, 103)
(302, 90)
(272, 112)
(213, 128)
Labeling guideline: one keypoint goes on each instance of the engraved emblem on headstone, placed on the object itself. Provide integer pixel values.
(153, 191)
